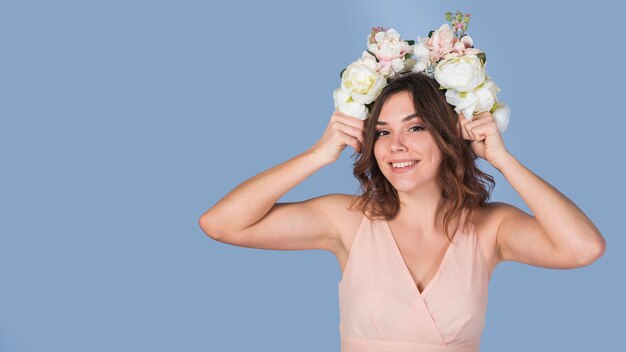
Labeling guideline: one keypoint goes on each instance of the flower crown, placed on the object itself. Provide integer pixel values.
(447, 53)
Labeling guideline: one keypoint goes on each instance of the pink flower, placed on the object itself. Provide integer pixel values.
(464, 46)
(440, 43)
(390, 50)
(458, 47)
(375, 30)
(467, 40)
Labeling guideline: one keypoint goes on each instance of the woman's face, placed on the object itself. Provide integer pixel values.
(401, 136)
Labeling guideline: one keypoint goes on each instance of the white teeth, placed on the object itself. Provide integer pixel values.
(403, 164)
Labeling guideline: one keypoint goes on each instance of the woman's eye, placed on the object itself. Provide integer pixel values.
(417, 127)
(379, 133)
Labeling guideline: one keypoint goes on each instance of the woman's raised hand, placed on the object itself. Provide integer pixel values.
(342, 130)
(486, 138)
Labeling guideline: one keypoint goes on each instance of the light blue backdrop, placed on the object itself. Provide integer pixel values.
(123, 121)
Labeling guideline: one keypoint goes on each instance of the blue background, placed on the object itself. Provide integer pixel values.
(123, 121)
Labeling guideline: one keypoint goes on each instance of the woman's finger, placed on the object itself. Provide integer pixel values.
(349, 120)
(464, 130)
(459, 126)
(353, 142)
(480, 127)
(351, 131)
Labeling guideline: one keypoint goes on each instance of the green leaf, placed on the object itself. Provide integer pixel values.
(341, 73)
(411, 42)
(430, 34)
(482, 57)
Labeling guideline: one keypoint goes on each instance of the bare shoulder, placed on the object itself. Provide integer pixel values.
(346, 219)
(487, 219)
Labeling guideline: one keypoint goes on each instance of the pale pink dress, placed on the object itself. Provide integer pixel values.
(382, 310)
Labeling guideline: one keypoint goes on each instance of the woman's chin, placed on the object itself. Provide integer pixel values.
(405, 188)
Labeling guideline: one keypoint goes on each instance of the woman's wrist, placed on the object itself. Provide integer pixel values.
(501, 160)
(316, 158)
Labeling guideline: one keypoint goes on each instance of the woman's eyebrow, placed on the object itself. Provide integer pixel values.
(412, 116)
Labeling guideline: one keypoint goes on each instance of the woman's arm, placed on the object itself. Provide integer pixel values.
(249, 215)
(559, 235)
(252, 199)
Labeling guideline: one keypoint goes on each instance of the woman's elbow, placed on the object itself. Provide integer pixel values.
(209, 226)
(594, 251)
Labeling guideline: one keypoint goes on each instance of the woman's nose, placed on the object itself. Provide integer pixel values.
(397, 143)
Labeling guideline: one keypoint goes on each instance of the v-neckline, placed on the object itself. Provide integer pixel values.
(406, 267)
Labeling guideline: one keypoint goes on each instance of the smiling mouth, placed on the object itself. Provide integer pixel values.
(404, 164)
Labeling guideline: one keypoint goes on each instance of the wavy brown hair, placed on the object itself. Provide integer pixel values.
(464, 185)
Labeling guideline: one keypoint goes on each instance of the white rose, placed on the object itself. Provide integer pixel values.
(340, 96)
(422, 55)
(367, 56)
(501, 113)
(479, 100)
(463, 103)
(362, 81)
(355, 109)
(485, 96)
(463, 73)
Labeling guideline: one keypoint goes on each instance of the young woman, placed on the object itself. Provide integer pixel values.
(417, 247)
